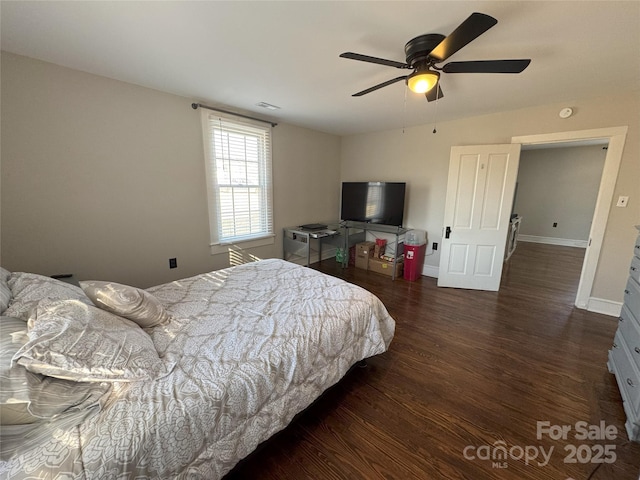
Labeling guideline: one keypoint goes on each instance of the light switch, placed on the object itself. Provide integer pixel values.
(622, 201)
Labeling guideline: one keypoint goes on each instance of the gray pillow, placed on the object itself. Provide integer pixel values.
(129, 302)
(27, 397)
(31, 289)
(5, 291)
(74, 341)
(14, 380)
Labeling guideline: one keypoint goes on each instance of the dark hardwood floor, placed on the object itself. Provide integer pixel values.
(467, 371)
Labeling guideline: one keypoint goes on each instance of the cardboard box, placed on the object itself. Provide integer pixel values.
(384, 267)
(364, 251)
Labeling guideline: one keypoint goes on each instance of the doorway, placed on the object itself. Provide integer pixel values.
(554, 202)
(615, 137)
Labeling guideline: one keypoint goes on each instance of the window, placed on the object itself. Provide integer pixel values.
(238, 165)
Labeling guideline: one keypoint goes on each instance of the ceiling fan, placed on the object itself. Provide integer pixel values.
(424, 52)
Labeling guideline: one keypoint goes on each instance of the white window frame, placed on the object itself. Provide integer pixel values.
(212, 124)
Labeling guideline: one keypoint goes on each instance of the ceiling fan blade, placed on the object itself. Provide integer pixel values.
(379, 61)
(435, 93)
(487, 66)
(467, 31)
(380, 85)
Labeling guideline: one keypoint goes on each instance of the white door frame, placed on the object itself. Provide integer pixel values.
(616, 137)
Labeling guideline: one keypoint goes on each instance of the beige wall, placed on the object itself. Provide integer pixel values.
(559, 185)
(422, 159)
(105, 179)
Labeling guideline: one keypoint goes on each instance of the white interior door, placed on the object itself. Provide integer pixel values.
(480, 192)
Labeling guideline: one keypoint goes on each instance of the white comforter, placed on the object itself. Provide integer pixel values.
(253, 345)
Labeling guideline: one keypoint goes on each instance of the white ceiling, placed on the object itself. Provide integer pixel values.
(236, 54)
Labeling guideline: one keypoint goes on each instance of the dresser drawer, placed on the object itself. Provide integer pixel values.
(634, 269)
(632, 297)
(630, 331)
(627, 375)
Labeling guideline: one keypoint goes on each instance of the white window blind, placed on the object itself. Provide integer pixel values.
(238, 164)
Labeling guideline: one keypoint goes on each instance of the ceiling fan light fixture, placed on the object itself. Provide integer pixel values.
(422, 81)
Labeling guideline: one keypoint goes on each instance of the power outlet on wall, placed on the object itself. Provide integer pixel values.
(173, 263)
(555, 224)
(434, 247)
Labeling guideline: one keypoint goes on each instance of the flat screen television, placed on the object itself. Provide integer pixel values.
(373, 202)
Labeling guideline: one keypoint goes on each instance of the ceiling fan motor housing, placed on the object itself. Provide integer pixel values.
(417, 50)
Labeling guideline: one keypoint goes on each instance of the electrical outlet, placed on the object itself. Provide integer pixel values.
(555, 224)
(173, 263)
(434, 247)
(622, 201)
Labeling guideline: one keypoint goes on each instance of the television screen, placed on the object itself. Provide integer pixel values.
(373, 202)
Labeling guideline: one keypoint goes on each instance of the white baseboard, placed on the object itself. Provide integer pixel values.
(430, 271)
(606, 307)
(565, 242)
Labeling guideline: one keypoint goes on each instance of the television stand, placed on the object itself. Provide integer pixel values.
(351, 239)
(297, 242)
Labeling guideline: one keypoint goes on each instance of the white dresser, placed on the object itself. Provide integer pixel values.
(624, 356)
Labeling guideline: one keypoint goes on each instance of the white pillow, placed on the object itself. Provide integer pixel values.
(5, 291)
(125, 301)
(14, 379)
(31, 289)
(74, 341)
(27, 397)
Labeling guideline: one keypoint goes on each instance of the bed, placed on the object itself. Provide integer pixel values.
(194, 374)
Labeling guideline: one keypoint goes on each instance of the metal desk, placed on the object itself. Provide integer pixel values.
(296, 242)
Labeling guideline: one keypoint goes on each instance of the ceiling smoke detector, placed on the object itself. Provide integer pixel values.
(566, 112)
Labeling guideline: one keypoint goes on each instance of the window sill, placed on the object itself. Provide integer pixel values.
(219, 248)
